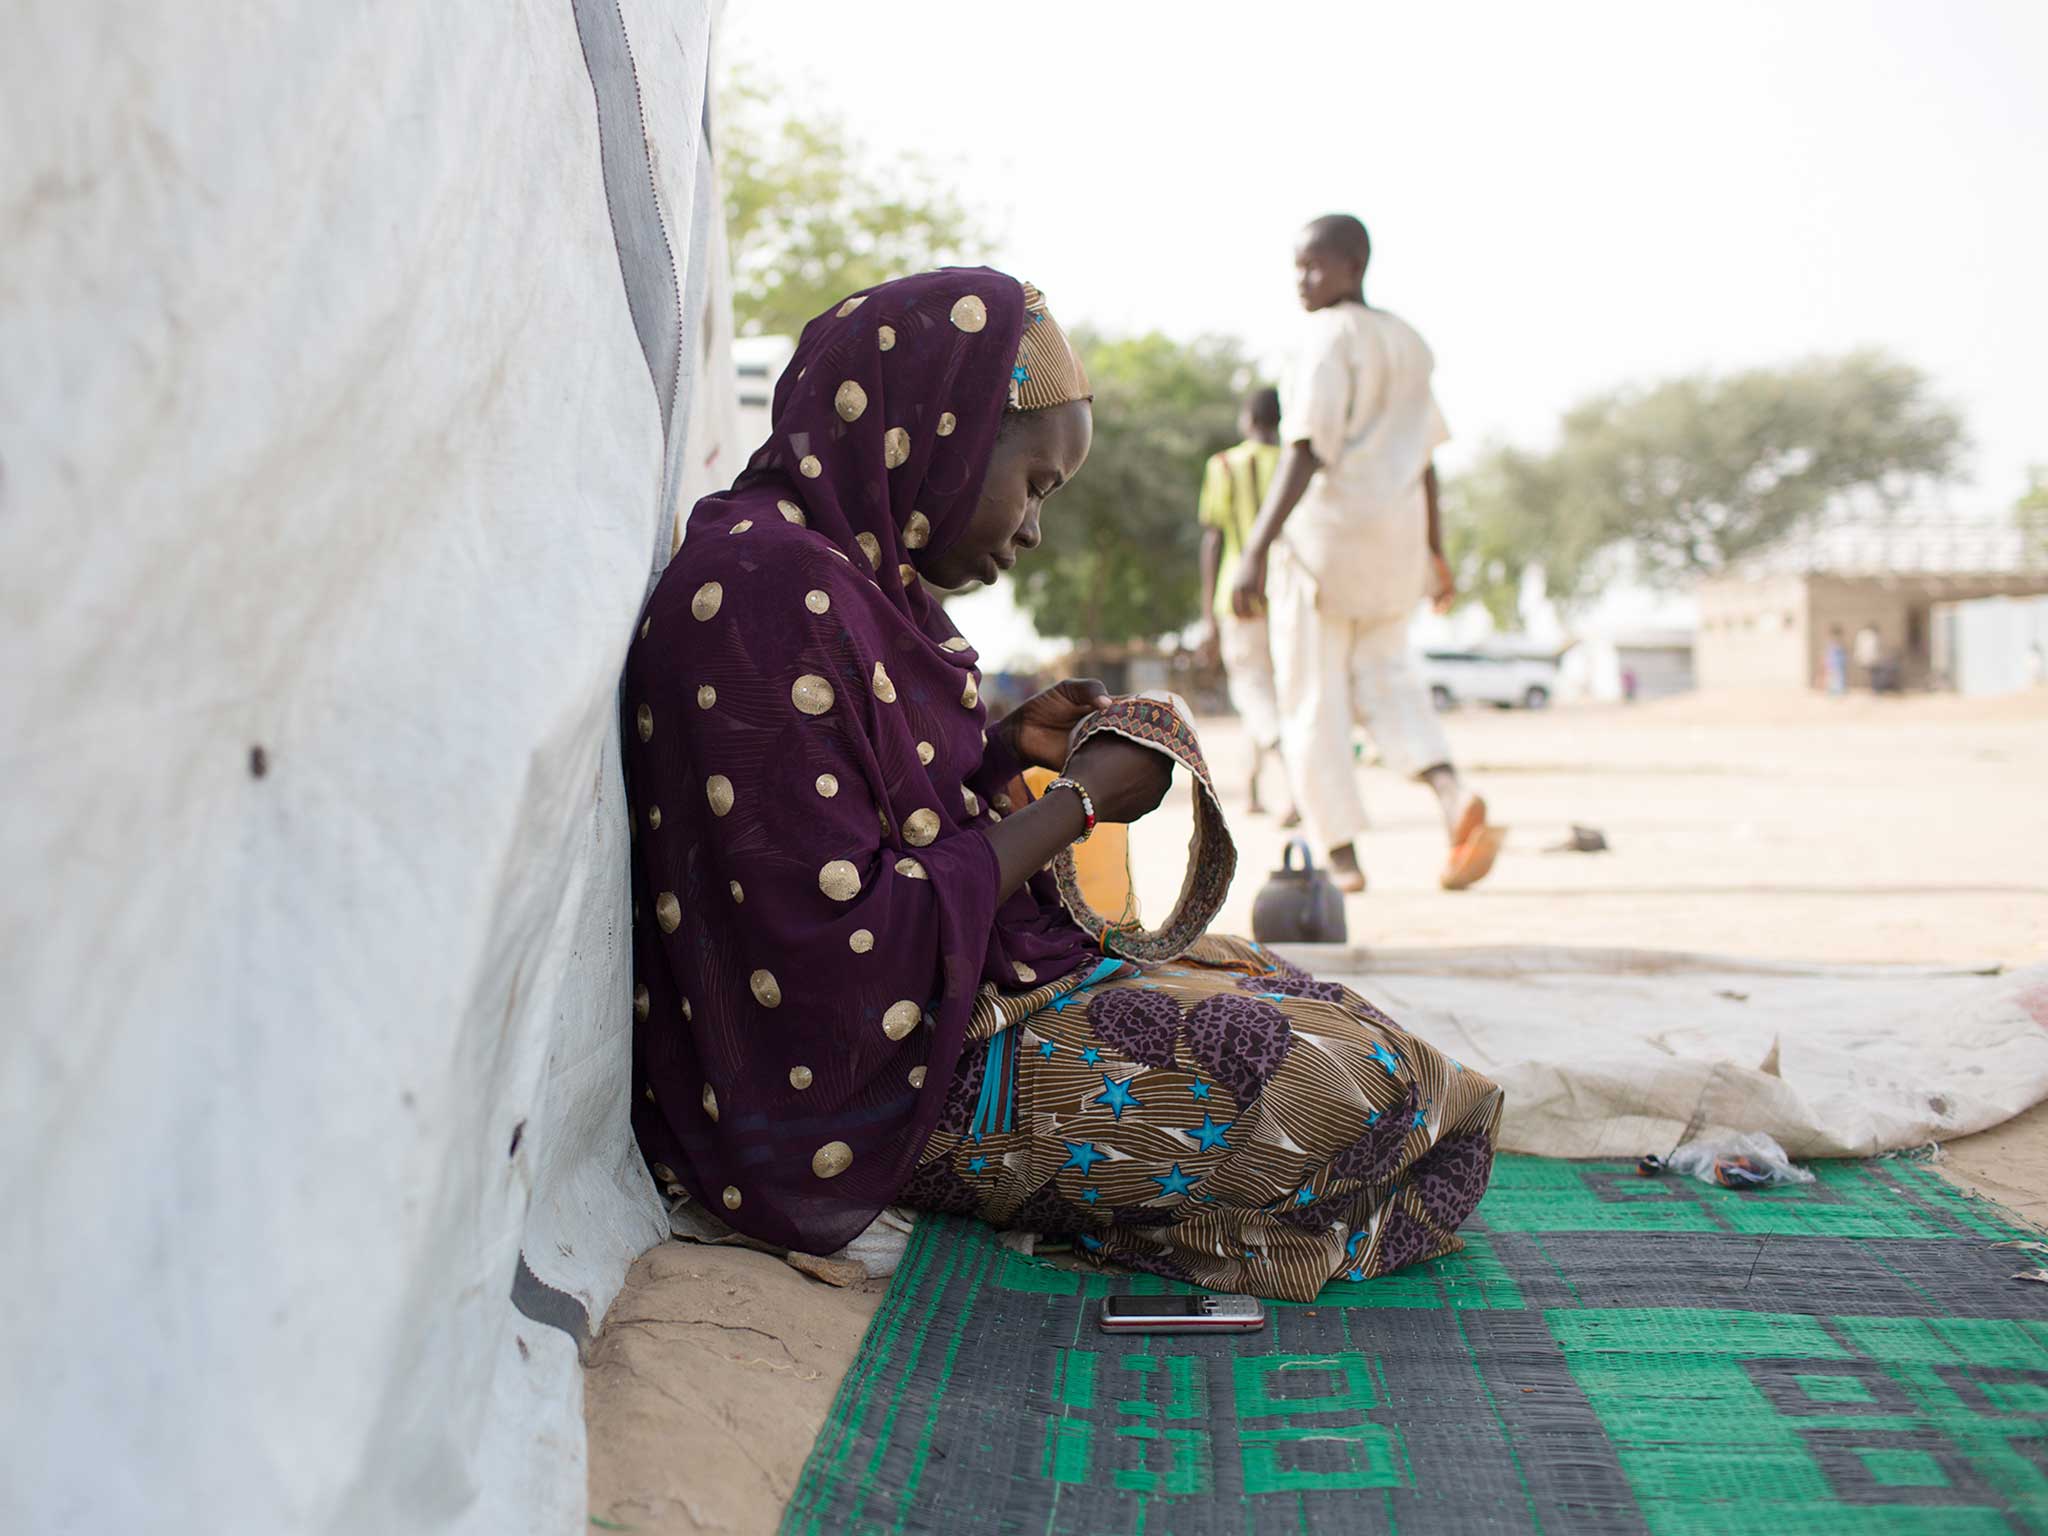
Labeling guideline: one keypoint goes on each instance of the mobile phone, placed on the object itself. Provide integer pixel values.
(1204, 1313)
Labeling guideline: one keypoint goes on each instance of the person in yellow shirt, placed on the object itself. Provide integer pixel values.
(1234, 484)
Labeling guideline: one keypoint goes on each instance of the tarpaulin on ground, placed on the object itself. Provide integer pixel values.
(349, 372)
(1607, 1053)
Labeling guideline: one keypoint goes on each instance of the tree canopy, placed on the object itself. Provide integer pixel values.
(2031, 512)
(1695, 473)
(812, 216)
(1120, 561)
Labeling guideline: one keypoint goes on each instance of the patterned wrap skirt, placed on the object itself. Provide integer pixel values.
(1226, 1120)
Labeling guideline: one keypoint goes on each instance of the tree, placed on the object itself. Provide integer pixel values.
(810, 217)
(1694, 474)
(2031, 513)
(1120, 561)
(1490, 532)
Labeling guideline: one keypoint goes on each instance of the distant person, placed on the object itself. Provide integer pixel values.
(1359, 424)
(1234, 484)
(1628, 685)
(1836, 663)
(1870, 657)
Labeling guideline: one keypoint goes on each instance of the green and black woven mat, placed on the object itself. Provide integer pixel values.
(1610, 1353)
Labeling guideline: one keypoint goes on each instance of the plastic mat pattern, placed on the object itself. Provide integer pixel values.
(1609, 1354)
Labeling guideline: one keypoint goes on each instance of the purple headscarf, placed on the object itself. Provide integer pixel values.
(810, 773)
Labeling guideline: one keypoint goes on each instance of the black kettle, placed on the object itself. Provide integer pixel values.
(1298, 906)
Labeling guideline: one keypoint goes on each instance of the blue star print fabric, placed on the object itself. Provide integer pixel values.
(1226, 1120)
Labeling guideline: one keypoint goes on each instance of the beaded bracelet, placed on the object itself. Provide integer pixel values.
(1087, 803)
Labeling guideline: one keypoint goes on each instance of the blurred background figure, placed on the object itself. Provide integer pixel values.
(1837, 665)
(1234, 483)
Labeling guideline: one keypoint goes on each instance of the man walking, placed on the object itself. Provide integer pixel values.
(1349, 540)
(1233, 485)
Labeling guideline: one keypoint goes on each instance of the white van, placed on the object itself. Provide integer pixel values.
(1483, 677)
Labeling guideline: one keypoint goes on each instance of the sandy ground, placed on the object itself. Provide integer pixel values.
(1786, 827)
(715, 1368)
(1780, 827)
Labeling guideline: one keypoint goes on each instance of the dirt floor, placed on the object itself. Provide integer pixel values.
(1774, 826)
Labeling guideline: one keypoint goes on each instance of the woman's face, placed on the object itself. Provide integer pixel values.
(1037, 453)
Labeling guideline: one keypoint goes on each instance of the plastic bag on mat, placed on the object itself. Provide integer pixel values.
(1749, 1161)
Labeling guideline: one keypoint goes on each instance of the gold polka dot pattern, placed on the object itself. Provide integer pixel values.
(970, 314)
(839, 880)
(811, 694)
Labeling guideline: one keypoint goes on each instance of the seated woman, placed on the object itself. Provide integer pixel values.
(855, 986)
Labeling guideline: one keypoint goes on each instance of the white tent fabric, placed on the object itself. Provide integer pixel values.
(1615, 1053)
(348, 389)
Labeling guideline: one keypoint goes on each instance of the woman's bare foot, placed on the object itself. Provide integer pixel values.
(1344, 871)
(1291, 820)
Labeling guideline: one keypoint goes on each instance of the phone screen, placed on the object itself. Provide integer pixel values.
(1199, 1313)
(1159, 1306)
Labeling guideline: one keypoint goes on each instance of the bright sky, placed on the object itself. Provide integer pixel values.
(1563, 197)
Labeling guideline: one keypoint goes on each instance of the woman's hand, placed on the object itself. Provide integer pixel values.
(1124, 779)
(1037, 730)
